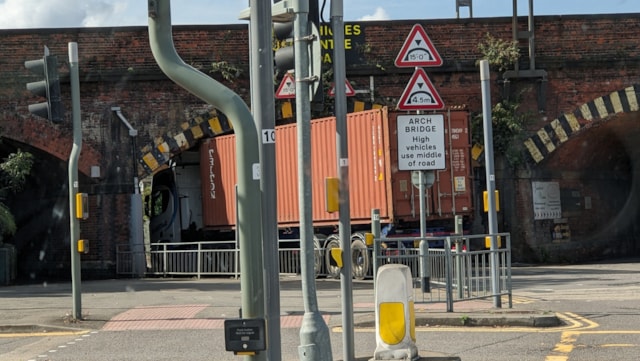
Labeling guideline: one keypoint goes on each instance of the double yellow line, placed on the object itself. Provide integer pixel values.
(582, 326)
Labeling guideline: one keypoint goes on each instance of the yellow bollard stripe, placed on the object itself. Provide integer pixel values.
(392, 326)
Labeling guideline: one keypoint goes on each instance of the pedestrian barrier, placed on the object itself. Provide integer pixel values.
(460, 269)
(206, 259)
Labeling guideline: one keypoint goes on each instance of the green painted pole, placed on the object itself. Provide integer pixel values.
(248, 225)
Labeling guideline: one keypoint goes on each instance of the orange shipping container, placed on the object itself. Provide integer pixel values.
(374, 178)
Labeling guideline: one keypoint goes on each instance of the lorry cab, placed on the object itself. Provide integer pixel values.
(162, 209)
(175, 203)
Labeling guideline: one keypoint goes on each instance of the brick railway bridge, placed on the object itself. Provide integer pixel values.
(580, 90)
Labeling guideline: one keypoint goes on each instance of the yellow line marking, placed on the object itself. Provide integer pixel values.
(566, 344)
(611, 332)
(574, 323)
(590, 324)
(556, 358)
(563, 348)
(43, 334)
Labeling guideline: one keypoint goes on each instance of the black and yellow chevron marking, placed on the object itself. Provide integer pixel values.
(286, 112)
(209, 125)
(206, 125)
(358, 106)
(551, 136)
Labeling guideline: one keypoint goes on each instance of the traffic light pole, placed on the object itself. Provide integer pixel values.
(315, 343)
(73, 181)
(263, 108)
(339, 72)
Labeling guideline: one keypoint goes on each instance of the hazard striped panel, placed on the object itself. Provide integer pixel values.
(208, 125)
(551, 136)
(153, 157)
(286, 112)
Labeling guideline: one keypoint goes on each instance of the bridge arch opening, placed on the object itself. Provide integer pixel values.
(598, 169)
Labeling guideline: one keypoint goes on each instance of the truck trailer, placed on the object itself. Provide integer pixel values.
(194, 200)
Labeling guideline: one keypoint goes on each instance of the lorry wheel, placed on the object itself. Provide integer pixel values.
(318, 239)
(332, 242)
(359, 258)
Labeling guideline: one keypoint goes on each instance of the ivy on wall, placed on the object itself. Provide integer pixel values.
(507, 122)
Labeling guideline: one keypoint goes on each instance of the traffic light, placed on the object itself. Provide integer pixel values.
(284, 53)
(48, 87)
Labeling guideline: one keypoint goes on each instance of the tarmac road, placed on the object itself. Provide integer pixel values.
(174, 319)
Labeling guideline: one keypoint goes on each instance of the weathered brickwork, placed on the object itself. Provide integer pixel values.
(585, 57)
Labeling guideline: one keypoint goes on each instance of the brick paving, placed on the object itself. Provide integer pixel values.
(179, 317)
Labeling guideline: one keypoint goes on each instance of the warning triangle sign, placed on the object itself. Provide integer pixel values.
(287, 88)
(418, 50)
(348, 92)
(420, 94)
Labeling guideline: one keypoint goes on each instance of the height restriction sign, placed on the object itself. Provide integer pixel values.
(420, 94)
(418, 50)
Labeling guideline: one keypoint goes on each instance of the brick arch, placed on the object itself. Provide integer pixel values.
(55, 140)
(207, 125)
(553, 135)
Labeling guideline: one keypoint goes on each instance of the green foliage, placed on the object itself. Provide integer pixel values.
(228, 72)
(13, 174)
(15, 170)
(7, 222)
(508, 129)
(499, 53)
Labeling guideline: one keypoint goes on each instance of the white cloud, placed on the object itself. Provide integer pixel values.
(60, 13)
(379, 14)
(101, 13)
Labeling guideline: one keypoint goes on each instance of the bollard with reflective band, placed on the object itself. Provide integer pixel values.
(395, 317)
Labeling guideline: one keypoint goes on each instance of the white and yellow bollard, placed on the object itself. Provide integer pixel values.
(395, 316)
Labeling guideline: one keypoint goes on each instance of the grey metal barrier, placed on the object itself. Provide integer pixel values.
(208, 259)
(459, 269)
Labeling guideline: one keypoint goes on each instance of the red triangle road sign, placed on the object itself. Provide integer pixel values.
(418, 50)
(420, 94)
(287, 88)
(348, 92)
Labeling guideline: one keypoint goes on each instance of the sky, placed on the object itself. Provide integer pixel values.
(17, 14)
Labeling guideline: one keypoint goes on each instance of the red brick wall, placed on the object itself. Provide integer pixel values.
(584, 56)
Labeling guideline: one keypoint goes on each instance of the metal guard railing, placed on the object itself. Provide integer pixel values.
(461, 269)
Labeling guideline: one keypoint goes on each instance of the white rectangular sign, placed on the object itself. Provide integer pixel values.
(421, 142)
(546, 200)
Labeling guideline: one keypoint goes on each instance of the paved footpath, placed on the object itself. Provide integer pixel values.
(194, 304)
(162, 302)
